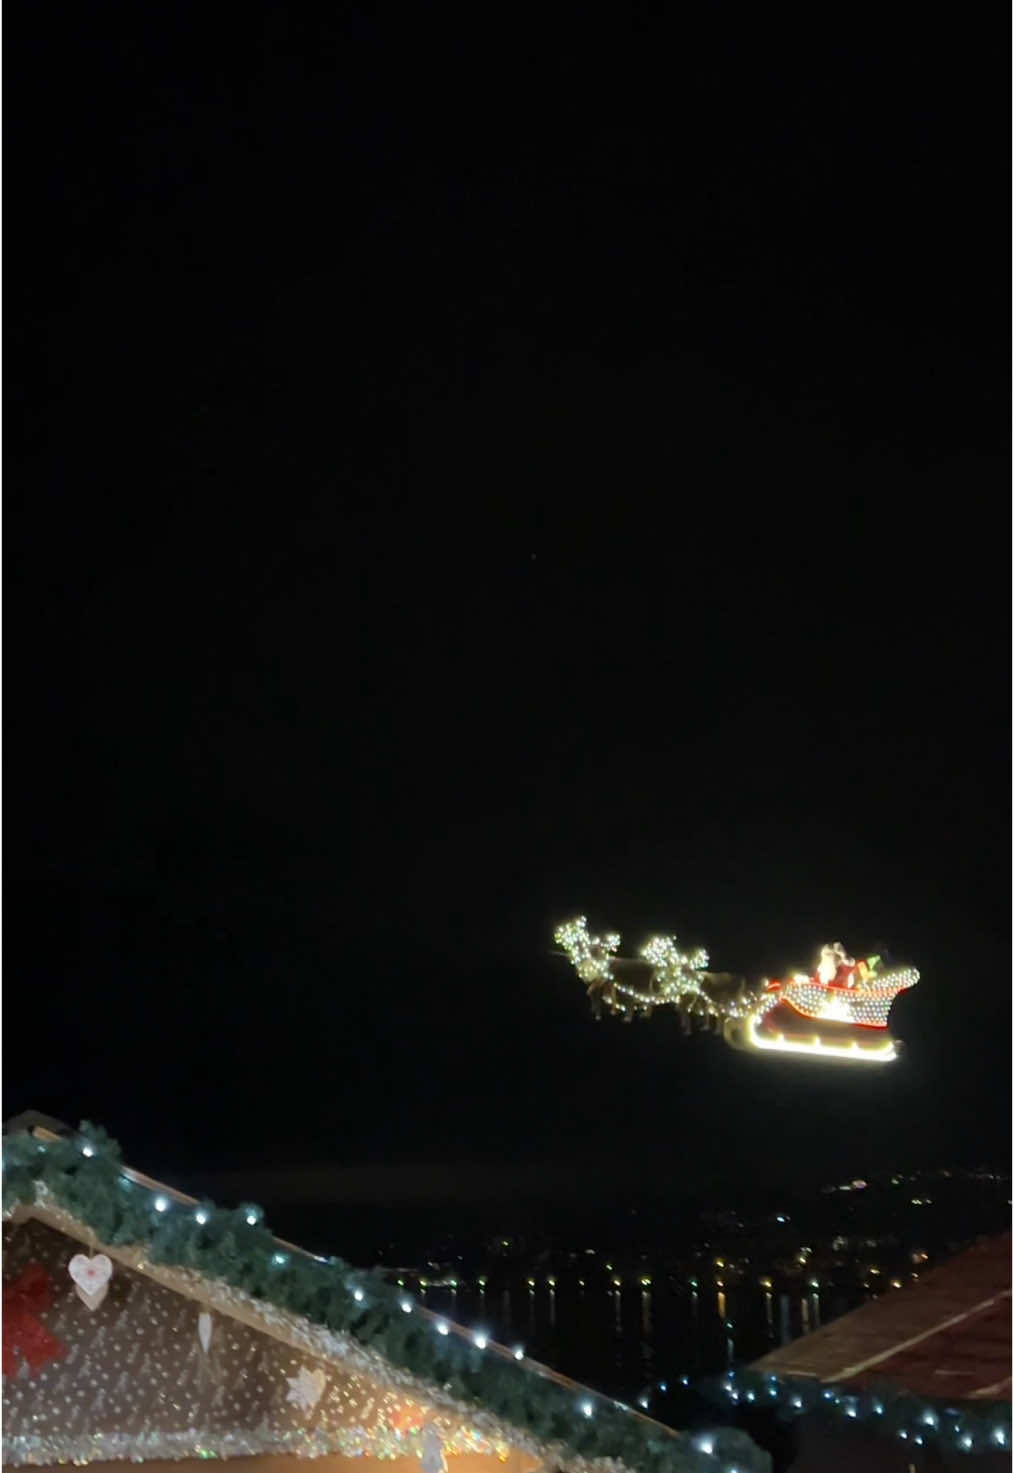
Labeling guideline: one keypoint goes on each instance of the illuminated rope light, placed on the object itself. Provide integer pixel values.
(880, 1053)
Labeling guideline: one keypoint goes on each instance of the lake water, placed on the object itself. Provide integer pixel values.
(625, 1341)
(622, 1341)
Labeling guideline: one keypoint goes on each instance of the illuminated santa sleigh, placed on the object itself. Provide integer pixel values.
(807, 1015)
(841, 1012)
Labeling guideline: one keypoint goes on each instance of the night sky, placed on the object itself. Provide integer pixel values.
(462, 476)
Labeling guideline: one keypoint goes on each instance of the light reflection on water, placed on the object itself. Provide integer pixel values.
(784, 1322)
(815, 1310)
(622, 1339)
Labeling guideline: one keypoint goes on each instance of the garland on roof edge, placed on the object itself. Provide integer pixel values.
(86, 1177)
(982, 1426)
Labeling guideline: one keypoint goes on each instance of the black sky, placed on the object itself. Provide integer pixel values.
(463, 475)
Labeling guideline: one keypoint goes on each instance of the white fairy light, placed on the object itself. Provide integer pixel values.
(443, 1328)
(519, 1352)
(358, 1295)
(480, 1340)
(704, 1445)
(87, 1149)
(161, 1204)
(406, 1306)
(586, 1408)
(201, 1216)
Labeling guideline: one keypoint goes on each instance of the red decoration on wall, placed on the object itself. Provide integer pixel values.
(25, 1338)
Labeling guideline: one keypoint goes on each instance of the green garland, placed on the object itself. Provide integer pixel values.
(979, 1427)
(85, 1175)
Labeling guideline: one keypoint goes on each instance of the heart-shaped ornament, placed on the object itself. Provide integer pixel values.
(204, 1329)
(91, 1278)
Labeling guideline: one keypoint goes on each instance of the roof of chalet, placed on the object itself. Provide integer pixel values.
(947, 1336)
(174, 1256)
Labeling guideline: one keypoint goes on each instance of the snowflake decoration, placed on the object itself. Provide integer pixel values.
(306, 1389)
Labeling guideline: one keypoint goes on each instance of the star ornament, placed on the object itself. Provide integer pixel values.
(306, 1389)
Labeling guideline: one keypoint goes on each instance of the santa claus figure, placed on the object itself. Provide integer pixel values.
(836, 968)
